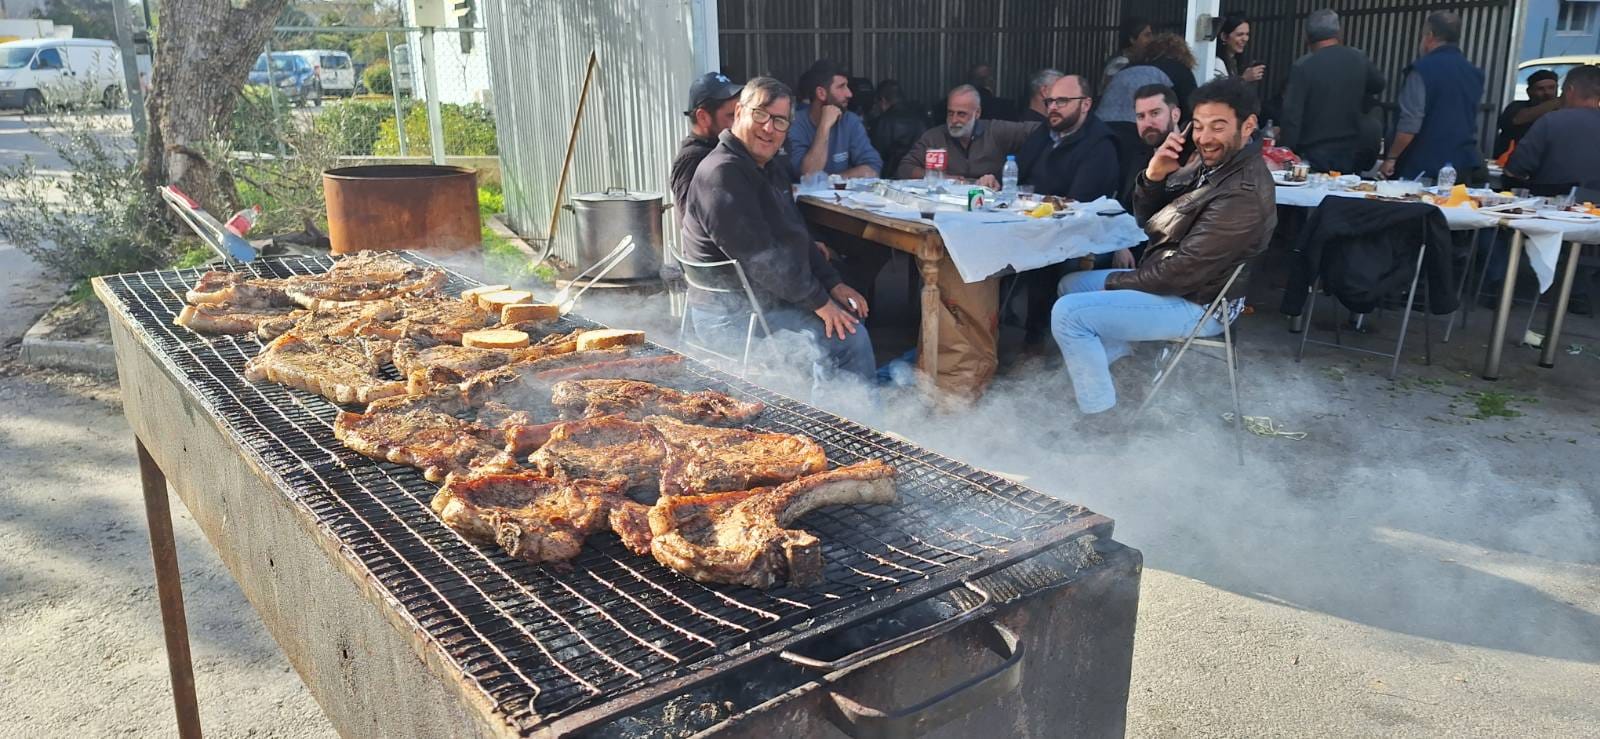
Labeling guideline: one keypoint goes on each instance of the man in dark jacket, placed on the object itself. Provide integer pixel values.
(1325, 105)
(741, 206)
(1205, 218)
(896, 124)
(1438, 108)
(711, 102)
(1073, 156)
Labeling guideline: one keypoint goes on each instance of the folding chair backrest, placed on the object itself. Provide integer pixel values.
(725, 277)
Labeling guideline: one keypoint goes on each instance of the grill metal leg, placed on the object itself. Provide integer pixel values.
(1558, 312)
(1405, 321)
(1502, 314)
(169, 588)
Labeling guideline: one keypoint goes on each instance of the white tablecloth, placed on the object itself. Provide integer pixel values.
(983, 244)
(1543, 236)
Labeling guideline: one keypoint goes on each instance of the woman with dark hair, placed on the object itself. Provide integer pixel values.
(1233, 34)
(1134, 31)
(1169, 53)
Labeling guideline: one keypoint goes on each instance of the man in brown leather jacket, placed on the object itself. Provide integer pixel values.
(1205, 217)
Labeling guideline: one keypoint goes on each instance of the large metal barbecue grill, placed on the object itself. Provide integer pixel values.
(520, 649)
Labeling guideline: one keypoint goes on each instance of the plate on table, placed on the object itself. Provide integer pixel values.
(866, 200)
(1568, 216)
(1290, 183)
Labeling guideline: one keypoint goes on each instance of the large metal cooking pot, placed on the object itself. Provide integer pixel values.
(603, 218)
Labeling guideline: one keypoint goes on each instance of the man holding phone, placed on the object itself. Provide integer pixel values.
(1206, 213)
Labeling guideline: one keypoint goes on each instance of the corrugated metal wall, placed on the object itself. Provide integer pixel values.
(1389, 31)
(927, 45)
(632, 124)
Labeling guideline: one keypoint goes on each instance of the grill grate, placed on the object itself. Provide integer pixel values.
(542, 644)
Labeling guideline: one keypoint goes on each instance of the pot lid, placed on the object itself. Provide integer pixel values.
(616, 193)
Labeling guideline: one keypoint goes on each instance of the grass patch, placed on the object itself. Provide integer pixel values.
(1495, 405)
(80, 291)
(193, 256)
(504, 261)
(491, 200)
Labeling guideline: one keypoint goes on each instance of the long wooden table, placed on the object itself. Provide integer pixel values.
(944, 295)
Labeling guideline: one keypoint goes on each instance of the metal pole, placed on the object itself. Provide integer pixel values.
(394, 94)
(430, 81)
(1502, 314)
(272, 95)
(169, 590)
(130, 68)
(1558, 312)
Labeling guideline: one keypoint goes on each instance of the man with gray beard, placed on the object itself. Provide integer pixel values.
(975, 148)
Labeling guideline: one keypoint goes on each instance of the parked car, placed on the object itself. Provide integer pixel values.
(1558, 64)
(36, 74)
(292, 76)
(335, 72)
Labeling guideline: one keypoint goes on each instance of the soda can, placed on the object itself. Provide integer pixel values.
(977, 199)
(934, 160)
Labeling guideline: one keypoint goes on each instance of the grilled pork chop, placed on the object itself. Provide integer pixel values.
(343, 369)
(701, 459)
(226, 318)
(635, 400)
(240, 290)
(346, 320)
(432, 315)
(537, 518)
(424, 431)
(363, 276)
(743, 538)
(599, 447)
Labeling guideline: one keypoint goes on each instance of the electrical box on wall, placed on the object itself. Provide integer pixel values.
(428, 13)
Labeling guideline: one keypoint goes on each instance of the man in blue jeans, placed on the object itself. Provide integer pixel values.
(740, 205)
(1205, 217)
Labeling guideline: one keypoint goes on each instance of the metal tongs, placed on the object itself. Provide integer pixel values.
(224, 242)
(600, 269)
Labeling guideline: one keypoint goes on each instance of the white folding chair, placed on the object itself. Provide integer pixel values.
(719, 278)
(1225, 312)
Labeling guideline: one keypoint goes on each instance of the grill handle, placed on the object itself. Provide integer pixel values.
(864, 722)
(898, 643)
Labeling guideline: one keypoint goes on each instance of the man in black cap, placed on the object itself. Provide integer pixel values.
(712, 99)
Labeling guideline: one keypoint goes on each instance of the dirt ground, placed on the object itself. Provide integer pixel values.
(1426, 562)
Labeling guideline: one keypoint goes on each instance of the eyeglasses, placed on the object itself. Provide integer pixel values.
(1063, 102)
(761, 116)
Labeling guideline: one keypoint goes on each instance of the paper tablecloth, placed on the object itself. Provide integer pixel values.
(983, 245)
(1544, 239)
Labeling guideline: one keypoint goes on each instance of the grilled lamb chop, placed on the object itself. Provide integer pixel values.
(701, 459)
(226, 318)
(240, 290)
(342, 369)
(423, 431)
(635, 400)
(533, 517)
(363, 276)
(599, 447)
(743, 538)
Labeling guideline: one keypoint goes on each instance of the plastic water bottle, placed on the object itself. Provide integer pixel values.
(1447, 176)
(1269, 135)
(1008, 177)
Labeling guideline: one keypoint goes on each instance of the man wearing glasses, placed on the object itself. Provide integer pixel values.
(740, 205)
(1073, 156)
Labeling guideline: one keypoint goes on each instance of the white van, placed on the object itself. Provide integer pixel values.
(40, 73)
(335, 73)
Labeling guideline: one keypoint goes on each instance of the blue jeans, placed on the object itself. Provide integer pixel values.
(723, 326)
(1094, 327)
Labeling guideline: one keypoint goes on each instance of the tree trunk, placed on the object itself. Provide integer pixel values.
(204, 51)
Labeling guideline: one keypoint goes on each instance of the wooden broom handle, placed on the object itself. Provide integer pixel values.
(572, 143)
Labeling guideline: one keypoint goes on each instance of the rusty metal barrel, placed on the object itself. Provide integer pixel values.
(402, 206)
